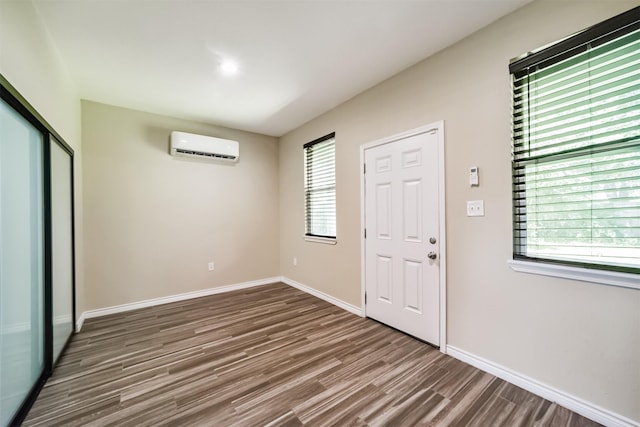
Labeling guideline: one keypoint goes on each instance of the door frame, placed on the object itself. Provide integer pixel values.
(437, 127)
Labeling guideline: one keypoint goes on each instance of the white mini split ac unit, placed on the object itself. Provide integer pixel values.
(189, 144)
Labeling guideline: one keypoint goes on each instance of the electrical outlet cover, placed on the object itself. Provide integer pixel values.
(475, 208)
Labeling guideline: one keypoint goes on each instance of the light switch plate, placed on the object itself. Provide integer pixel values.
(475, 208)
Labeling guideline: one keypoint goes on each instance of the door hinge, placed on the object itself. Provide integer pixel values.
(365, 168)
(365, 297)
(365, 233)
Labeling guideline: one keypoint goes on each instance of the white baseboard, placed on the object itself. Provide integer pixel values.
(80, 321)
(316, 293)
(172, 298)
(575, 404)
(211, 291)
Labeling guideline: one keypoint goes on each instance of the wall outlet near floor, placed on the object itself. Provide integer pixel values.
(295, 261)
(211, 266)
(475, 208)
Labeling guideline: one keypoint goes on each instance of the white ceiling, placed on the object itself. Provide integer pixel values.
(297, 58)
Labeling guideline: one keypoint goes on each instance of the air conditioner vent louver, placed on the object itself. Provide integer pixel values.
(192, 145)
(200, 153)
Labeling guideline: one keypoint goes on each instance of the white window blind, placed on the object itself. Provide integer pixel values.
(320, 187)
(576, 149)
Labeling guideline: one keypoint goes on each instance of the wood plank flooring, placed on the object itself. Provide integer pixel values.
(271, 356)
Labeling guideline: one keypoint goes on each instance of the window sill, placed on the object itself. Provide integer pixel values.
(612, 278)
(325, 240)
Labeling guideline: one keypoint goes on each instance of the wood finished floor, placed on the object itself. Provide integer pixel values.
(271, 356)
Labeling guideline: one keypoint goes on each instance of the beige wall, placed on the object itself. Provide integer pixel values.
(154, 221)
(30, 62)
(579, 337)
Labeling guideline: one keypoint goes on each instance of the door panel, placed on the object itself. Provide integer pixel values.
(62, 247)
(383, 214)
(412, 289)
(412, 211)
(21, 260)
(383, 280)
(401, 215)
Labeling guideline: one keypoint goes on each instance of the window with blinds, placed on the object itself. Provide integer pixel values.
(576, 149)
(320, 187)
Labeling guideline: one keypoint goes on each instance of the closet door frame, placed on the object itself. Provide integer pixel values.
(13, 98)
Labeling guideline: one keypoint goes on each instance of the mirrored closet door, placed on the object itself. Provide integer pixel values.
(22, 327)
(36, 253)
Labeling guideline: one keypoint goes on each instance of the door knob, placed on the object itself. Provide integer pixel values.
(432, 255)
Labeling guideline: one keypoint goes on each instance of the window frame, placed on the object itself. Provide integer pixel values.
(308, 233)
(576, 44)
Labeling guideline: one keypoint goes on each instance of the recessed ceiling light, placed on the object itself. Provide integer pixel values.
(229, 68)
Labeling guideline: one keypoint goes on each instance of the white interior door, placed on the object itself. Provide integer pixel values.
(402, 234)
